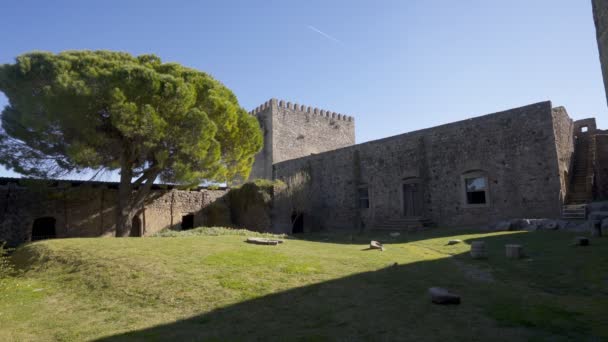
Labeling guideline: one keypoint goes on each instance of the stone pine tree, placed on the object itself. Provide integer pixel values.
(85, 111)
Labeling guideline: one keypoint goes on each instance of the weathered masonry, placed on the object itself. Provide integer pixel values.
(292, 131)
(32, 210)
(524, 162)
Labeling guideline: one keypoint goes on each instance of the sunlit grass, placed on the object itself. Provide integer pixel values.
(321, 287)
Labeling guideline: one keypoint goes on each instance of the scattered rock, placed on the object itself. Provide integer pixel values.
(263, 241)
(478, 250)
(598, 215)
(503, 225)
(595, 227)
(581, 241)
(561, 224)
(514, 251)
(521, 224)
(454, 242)
(440, 295)
(394, 234)
(546, 224)
(376, 245)
(598, 206)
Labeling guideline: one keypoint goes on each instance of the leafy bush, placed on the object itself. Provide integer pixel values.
(215, 231)
(6, 267)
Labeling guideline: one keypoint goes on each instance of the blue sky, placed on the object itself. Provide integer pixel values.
(396, 66)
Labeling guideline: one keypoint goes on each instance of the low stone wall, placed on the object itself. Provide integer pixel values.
(87, 209)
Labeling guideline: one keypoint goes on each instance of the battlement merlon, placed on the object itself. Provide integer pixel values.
(301, 108)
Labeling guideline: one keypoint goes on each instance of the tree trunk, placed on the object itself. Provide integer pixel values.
(131, 195)
(124, 208)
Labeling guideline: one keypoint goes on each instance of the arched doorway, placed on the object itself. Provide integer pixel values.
(135, 227)
(43, 228)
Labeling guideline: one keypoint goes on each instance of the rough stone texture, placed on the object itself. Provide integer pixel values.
(515, 149)
(601, 167)
(600, 17)
(440, 295)
(86, 209)
(514, 251)
(478, 250)
(563, 128)
(292, 131)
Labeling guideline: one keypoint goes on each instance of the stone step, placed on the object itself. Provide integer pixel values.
(401, 224)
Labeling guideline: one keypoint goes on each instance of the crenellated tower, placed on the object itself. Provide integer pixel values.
(292, 131)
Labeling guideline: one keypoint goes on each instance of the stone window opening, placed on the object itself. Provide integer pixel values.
(476, 189)
(187, 222)
(363, 192)
(584, 129)
(44, 228)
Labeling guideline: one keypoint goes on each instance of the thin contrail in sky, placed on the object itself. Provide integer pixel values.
(324, 34)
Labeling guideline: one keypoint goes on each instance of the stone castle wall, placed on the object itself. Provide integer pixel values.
(293, 131)
(87, 210)
(601, 167)
(516, 149)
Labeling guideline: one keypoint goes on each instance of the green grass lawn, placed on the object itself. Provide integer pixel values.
(318, 288)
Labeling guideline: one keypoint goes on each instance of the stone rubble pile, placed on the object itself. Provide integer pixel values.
(550, 224)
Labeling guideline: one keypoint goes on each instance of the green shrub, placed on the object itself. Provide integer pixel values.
(215, 231)
(6, 266)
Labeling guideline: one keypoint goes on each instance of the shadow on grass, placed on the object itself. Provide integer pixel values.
(384, 236)
(392, 303)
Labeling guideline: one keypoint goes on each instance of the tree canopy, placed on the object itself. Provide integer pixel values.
(102, 110)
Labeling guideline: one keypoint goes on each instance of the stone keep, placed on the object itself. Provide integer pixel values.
(292, 131)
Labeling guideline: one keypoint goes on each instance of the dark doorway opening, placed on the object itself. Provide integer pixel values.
(43, 228)
(412, 200)
(297, 223)
(135, 227)
(187, 222)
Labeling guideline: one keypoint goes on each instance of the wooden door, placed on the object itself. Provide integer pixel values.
(412, 200)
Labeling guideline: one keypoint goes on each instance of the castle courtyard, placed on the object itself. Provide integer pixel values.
(321, 287)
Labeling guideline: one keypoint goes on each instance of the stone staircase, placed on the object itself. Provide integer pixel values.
(574, 212)
(401, 224)
(580, 190)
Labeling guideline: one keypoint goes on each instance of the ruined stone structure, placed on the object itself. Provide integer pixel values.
(523, 162)
(600, 16)
(293, 131)
(40, 209)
